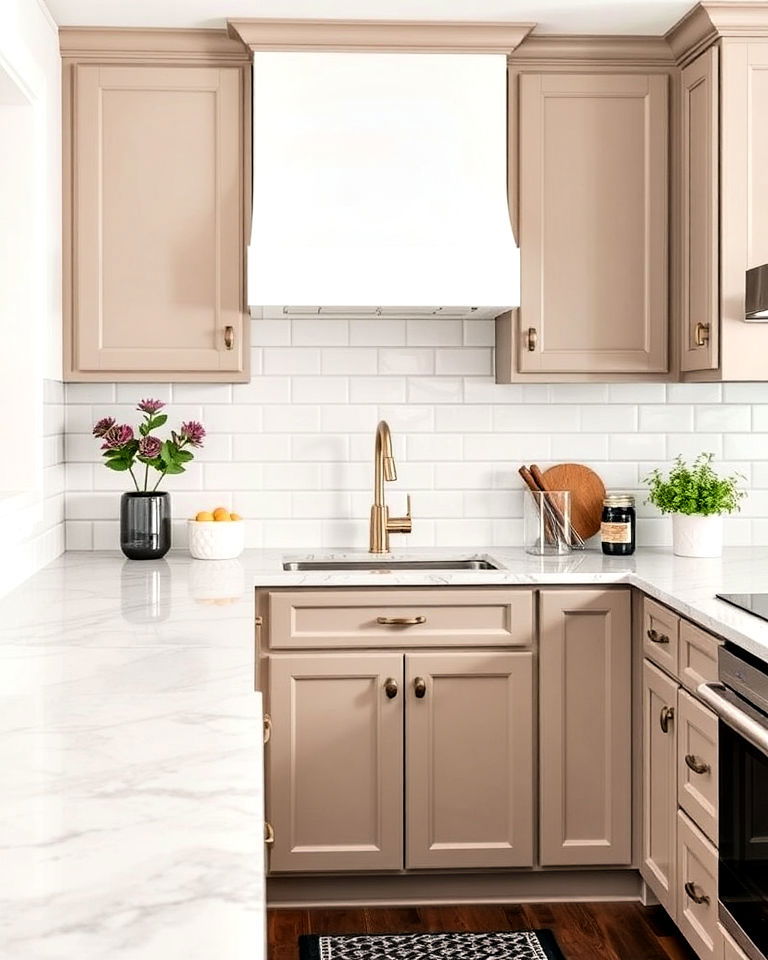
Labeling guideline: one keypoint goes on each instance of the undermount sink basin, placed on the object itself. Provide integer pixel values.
(299, 565)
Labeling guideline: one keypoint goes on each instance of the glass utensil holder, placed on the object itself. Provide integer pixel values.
(547, 522)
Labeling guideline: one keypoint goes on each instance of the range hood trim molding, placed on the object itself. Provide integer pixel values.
(380, 36)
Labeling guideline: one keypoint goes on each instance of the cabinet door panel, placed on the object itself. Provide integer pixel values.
(469, 764)
(697, 890)
(701, 224)
(157, 219)
(593, 222)
(585, 719)
(659, 786)
(335, 772)
(697, 775)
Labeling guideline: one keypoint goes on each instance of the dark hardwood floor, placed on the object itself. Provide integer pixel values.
(585, 931)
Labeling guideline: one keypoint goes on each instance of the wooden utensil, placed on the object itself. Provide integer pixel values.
(587, 493)
(550, 532)
(569, 533)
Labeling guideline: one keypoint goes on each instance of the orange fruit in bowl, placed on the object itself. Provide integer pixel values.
(235, 516)
(221, 514)
(204, 516)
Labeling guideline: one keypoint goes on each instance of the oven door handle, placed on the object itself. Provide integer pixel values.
(752, 731)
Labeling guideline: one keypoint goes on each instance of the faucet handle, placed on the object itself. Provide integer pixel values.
(402, 524)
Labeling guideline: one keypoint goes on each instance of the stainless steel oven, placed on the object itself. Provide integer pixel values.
(740, 701)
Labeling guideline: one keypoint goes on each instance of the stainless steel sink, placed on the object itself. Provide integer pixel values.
(329, 565)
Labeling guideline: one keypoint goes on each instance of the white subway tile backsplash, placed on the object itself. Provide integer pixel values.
(320, 332)
(291, 360)
(292, 450)
(320, 390)
(536, 418)
(407, 360)
(665, 418)
(431, 333)
(271, 333)
(377, 389)
(377, 332)
(468, 360)
(725, 418)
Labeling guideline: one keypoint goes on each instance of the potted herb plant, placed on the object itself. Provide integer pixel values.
(145, 512)
(697, 498)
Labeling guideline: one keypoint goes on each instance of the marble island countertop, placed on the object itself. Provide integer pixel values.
(131, 807)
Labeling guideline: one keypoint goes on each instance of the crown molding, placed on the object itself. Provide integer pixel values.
(398, 36)
(567, 49)
(712, 19)
(150, 43)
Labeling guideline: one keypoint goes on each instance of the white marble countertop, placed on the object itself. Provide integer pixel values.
(131, 805)
(687, 585)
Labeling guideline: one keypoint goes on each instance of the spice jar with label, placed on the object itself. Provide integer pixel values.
(617, 529)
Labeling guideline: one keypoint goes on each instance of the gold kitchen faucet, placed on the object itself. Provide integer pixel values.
(384, 469)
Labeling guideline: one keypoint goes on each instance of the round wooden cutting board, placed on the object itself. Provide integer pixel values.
(587, 492)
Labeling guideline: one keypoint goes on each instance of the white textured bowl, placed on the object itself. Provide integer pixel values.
(216, 540)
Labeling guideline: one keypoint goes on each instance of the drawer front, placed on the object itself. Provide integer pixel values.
(697, 890)
(697, 776)
(660, 635)
(698, 656)
(306, 619)
(731, 950)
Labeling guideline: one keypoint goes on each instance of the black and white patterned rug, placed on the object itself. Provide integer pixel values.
(516, 945)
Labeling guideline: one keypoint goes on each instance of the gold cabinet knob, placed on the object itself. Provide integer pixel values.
(420, 687)
(701, 334)
(666, 716)
(229, 337)
(269, 833)
(390, 688)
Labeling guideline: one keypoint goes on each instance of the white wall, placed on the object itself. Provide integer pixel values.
(31, 393)
(292, 450)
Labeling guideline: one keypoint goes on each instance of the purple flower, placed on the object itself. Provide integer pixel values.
(117, 437)
(192, 433)
(150, 447)
(150, 406)
(103, 426)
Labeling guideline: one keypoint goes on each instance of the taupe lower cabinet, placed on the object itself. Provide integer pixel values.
(660, 785)
(469, 760)
(585, 716)
(591, 154)
(391, 750)
(155, 205)
(680, 775)
(348, 727)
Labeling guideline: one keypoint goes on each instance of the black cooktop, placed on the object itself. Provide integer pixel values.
(755, 603)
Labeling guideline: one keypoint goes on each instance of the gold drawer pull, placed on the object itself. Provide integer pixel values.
(655, 637)
(531, 336)
(267, 728)
(269, 833)
(400, 621)
(666, 717)
(390, 687)
(690, 890)
(698, 766)
(420, 687)
(229, 337)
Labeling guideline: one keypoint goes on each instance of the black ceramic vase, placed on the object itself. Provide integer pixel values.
(145, 525)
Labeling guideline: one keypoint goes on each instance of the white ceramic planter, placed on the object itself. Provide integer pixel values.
(697, 536)
(209, 540)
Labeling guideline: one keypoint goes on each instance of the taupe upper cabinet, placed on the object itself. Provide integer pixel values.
(154, 266)
(593, 183)
(701, 227)
(585, 700)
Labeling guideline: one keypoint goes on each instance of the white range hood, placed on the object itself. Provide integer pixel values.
(380, 179)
